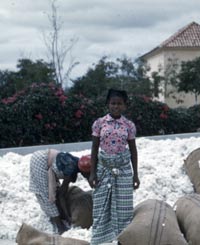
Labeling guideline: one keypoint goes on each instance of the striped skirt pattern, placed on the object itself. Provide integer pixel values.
(112, 198)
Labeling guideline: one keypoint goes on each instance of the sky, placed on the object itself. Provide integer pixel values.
(160, 169)
(99, 27)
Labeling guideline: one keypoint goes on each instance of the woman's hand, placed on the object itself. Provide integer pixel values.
(92, 180)
(136, 182)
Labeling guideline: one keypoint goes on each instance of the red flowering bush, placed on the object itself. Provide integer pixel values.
(155, 118)
(43, 114)
(148, 115)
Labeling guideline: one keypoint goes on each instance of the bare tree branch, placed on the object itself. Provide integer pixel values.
(57, 50)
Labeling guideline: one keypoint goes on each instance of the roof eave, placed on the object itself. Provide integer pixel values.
(151, 53)
(159, 49)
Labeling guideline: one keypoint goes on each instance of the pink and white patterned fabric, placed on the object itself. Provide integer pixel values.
(113, 133)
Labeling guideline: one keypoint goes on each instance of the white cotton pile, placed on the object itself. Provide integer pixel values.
(160, 170)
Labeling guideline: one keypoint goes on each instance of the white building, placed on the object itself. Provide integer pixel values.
(184, 45)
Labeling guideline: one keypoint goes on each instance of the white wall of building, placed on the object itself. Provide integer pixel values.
(160, 61)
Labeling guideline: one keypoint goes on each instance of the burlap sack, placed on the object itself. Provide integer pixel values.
(154, 223)
(188, 215)
(192, 168)
(78, 204)
(28, 235)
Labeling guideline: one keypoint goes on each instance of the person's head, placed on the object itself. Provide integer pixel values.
(84, 165)
(116, 101)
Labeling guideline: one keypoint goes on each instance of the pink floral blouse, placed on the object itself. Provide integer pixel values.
(113, 133)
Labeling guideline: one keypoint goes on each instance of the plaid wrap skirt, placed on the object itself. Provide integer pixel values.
(38, 182)
(113, 197)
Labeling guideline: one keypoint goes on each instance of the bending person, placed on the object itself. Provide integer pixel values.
(47, 167)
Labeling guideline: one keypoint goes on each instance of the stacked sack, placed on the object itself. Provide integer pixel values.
(154, 223)
(188, 215)
(27, 235)
(188, 207)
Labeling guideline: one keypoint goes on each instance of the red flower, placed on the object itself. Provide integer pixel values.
(47, 126)
(163, 116)
(59, 92)
(78, 114)
(62, 98)
(9, 100)
(50, 126)
(165, 108)
(146, 99)
(39, 116)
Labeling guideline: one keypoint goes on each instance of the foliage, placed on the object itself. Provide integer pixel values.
(189, 77)
(157, 81)
(7, 83)
(149, 116)
(28, 72)
(178, 121)
(171, 73)
(34, 72)
(42, 114)
(33, 112)
(155, 118)
(132, 76)
(194, 116)
(96, 81)
(121, 74)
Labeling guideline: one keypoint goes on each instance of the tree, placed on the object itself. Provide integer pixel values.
(96, 81)
(157, 79)
(189, 77)
(57, 48)
(121, 74)
(28, 72)
(133, 76)
(35, 72)
(7, 84)
(170, 78)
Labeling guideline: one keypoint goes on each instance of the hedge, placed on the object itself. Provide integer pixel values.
(44, 114)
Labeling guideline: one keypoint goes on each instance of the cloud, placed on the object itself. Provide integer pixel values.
(102, 27)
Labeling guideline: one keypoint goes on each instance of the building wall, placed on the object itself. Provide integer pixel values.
(160, 62)
(156, 63)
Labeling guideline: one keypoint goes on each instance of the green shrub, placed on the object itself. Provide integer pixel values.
(149, 116)
(194, 116)
(155, 118)
(178, 121)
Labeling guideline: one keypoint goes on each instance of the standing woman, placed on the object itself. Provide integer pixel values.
(112, 176)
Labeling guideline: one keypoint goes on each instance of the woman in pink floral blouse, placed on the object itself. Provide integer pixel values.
(114, 171)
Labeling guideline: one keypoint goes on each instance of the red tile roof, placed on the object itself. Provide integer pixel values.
(188, 36)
